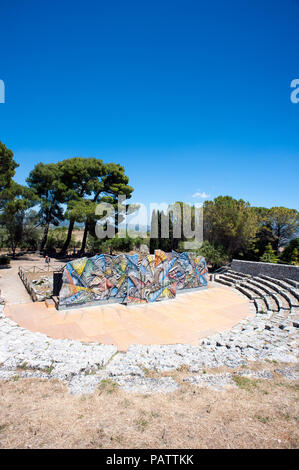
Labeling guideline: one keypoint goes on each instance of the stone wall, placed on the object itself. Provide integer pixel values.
(255, 268)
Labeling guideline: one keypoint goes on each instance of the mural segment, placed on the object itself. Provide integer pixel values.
(130, 279)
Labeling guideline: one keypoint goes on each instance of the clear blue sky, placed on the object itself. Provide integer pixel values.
(190, 96)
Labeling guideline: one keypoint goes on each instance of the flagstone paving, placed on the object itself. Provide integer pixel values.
(186, 319)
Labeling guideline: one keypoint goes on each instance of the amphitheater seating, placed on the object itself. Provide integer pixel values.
(267, 294)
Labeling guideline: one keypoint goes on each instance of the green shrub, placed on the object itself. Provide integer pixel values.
(216, 256)
(96, 245)
(122, 244)
(4, 260)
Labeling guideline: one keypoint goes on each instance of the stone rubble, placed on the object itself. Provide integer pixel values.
(146, 385)
(7, 374)
(290, 373)
(84, 384)
(42, 288)
(216, 382)
(256, 374)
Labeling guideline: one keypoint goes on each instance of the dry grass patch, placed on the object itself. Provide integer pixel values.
(245, 383)
(42, 414)
(108, 386)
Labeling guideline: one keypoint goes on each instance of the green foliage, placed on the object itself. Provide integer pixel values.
(13, 222)
(275, 226)
(264, 235)
(108, 386)
(295, 257)
(4, 260)
(7, 172)
(45, 180)
(122, 244)
(284, 224)
(21, 231)
(290, 255)
(137, 242)
(96, 246)
(86, 182)
(230, 223)
(245, 383)
(231, 227)
(32, 234)
(19, 199)
(234, 229)
(80, 210)
(216, 256)
(157, 241)
(3, 237)
(56, 238)
(269, 255)
(14, 201)
(154, 241)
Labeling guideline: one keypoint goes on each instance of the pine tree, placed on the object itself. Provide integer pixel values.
(44, 180)
(269, 255)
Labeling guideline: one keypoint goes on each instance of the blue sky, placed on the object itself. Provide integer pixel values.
(190, 96)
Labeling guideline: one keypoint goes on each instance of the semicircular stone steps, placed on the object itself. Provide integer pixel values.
(286, 293)
(237, 274)
(284, 283)
(255, 292)
(269, 295)
(261, 305)
(282, 301)
(292, 287)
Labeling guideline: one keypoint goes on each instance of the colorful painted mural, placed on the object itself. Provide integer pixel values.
(130, 278)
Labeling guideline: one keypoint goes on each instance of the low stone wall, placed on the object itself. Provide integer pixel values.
(255, 268)
(39, 285)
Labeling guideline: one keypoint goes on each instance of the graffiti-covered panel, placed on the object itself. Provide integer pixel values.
(130, 278)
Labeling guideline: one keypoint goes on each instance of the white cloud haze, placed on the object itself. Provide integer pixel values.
(201, 194)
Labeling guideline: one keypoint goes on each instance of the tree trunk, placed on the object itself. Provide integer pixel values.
(69, 236)
(84, 239)
(275, 246)
(45, 237)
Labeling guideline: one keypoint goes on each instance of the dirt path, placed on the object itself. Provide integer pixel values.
(11, 285)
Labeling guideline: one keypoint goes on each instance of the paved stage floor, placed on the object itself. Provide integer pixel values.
(186, 319)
